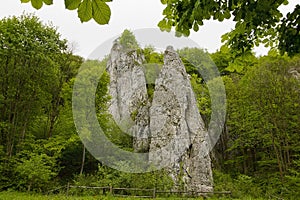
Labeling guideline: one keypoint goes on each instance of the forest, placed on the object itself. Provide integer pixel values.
(257, 155)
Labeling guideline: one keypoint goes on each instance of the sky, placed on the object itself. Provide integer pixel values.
(126, 14)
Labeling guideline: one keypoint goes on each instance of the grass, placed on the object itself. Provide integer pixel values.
(10, 195)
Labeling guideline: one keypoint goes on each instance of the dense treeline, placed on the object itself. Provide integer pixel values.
(261, 135)
(257, 154)
(258, 151)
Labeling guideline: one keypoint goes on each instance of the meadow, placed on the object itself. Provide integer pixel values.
(11, 195)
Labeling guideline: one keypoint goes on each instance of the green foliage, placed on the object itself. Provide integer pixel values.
(151, 56)
(293, 183)
(202, 97)
(86, 9)
(110, 177)
(36, 124)
(240, 186)
(262, 124)
(72, 4)
(37, 4)
(289, 34)
(101, 12)
(36, 171)
(152, 66)
(29, 67)
(229, 61)
(200, 67)
(222, 58)
(90, 70)
(256, 21)
(128, 41)
(242, 63)
(257, 155)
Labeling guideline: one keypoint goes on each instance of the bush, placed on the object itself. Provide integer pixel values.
(107, 177)
(36, 172)
(241, 186)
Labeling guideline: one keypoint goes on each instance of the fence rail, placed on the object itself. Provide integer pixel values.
(141, 192)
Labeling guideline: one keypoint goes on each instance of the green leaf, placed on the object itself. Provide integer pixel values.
(225, 37)
(72, 4)
(227, 14)
(221, 18)
(167, 10)
(265, 40)
(186, 32)
(196, 27)
(231, 67)
(164, 1)
(37, 4)
(162, 24)
(101, 12)
(48, 2)
(169, 25)
(25, 1)
(256, 42)
(85, 11)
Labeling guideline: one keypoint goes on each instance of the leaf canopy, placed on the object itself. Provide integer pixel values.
(86, 9)
(257, 21)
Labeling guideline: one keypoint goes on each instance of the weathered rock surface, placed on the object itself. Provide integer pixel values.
(129, 103)
(172, 120)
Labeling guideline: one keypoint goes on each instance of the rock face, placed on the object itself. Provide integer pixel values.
(129, 94)
(174, 114)
(170, 128)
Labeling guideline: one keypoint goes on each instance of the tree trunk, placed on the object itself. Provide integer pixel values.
(278, 158)
(83, 160)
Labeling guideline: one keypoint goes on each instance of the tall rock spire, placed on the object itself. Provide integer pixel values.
(174, 117)
(170, 127)
(128, 92)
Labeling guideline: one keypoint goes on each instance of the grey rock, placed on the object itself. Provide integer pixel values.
(170, 127)
(129, 99)
(175, 119)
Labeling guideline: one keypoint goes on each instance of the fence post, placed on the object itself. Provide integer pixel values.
(68, 186)
(111, 190)
(154, 193)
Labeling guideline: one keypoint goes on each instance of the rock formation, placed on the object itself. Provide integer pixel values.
(174, 114)
(129, 94)
(170, 127)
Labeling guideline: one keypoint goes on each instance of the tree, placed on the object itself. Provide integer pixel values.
(128, 41)
(229, 62)
(36, 171)
(29, 71)
(256, 21)
(68, 68)
(263, 121)
(37, 71)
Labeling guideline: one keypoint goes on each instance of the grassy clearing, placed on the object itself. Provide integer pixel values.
(32, 196)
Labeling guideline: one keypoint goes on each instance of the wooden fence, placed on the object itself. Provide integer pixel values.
(143, 193)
